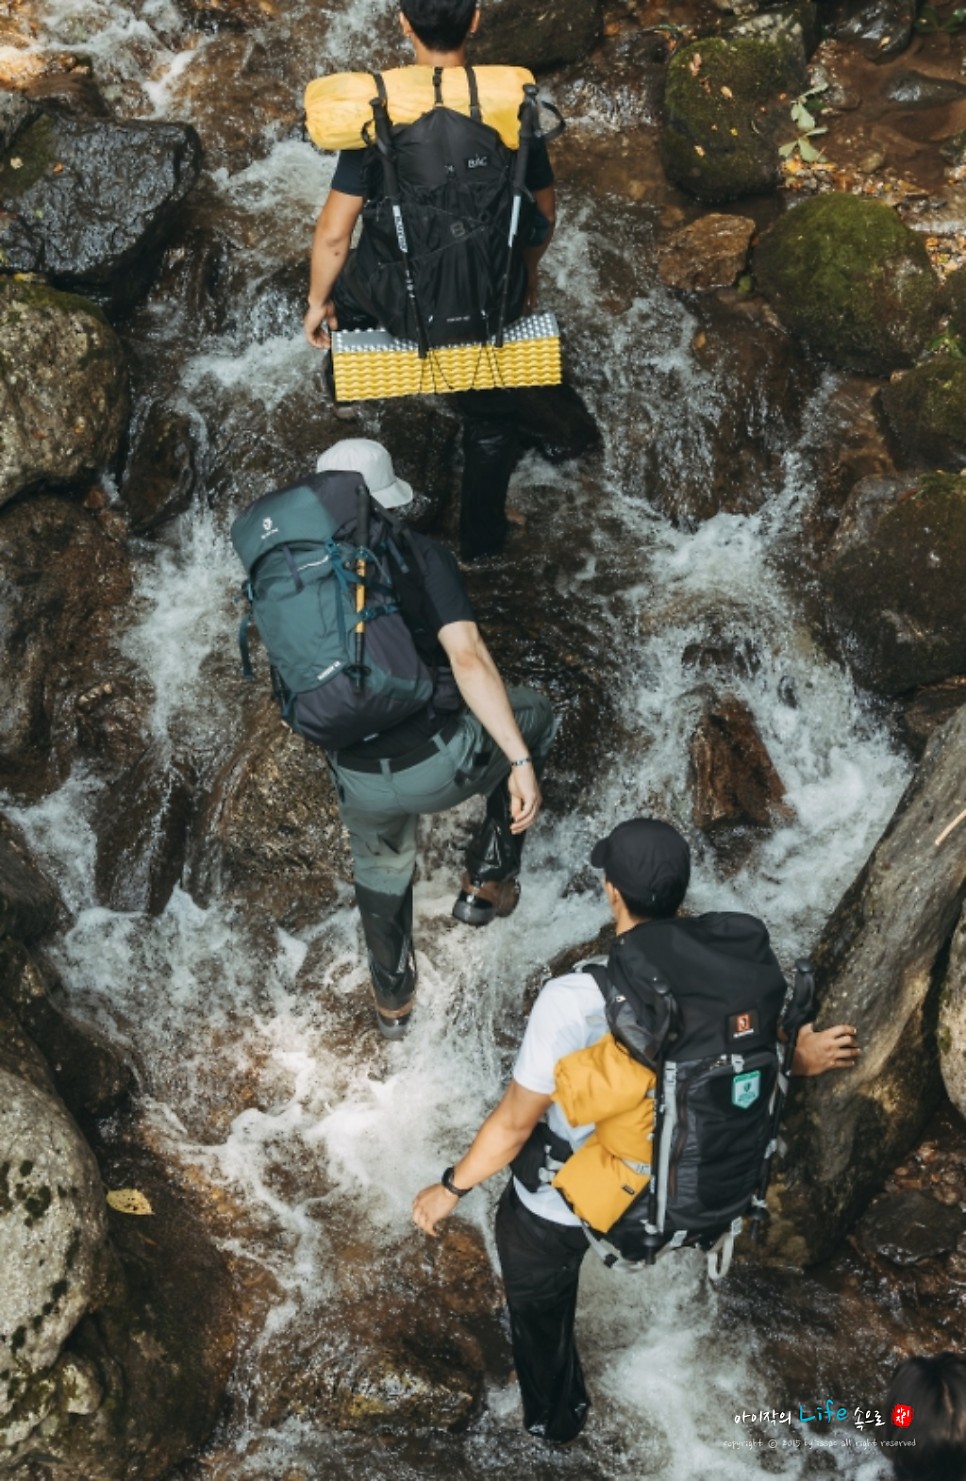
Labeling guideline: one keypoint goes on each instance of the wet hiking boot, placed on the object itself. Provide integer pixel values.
(394, 996)
(480, 901)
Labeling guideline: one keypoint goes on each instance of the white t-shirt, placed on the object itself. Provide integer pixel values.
(568, 1015)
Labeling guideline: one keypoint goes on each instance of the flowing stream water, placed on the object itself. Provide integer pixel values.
(200, 1003)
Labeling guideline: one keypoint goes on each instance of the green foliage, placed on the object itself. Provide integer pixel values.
(808, 128)
(930, 20)
(949, 343)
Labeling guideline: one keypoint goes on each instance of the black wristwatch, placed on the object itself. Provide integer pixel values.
(450, 1186)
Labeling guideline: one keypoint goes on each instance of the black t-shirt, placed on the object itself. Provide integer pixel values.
(446, 602)
(348, 177)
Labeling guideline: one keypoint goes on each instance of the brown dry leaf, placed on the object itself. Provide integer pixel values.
(699, 150)
(129, 1201)
(726, 92)
(694, 66)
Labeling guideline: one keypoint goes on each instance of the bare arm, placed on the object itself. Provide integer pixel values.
(330, 248)
(495, 1145)
(483, 690)
(831, 1049)
(546, 202)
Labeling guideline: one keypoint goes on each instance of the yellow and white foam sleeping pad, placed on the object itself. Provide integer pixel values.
(369, 363)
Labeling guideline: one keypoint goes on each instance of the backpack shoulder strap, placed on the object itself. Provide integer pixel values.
(437, 87)
(476, 112)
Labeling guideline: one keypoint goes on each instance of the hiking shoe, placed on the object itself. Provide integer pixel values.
(393, 1022)
(480, 901)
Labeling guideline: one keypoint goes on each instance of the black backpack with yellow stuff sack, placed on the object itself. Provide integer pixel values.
(699, 1002)
(447, 213)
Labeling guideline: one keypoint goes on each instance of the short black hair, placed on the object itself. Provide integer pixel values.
(934, 1388)
(655, 907)
(442, 25)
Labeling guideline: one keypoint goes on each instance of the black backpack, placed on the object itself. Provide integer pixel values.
(439, 261)
(700, 1001)
(344, 666)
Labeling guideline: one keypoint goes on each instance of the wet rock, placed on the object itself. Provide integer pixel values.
(52, 1227)
(852, 280)
(227, 15)
(140, 1385)
(954, 301)
(926, 410)
(893, 578)
(74, 88)
(931, 706)
(877, 964)
(63, 582)
(555, 421)
(111, 719)
(89, 1072)
(952, 1017)
(14, 111)
(63, 388)
(142, 825)
(407, 1342)
(724, 115)
(880, 31)
(95, 199)
(538, 34)
(920, 90)
(710, 253)
(161, 474)
(270, 835)
(734, 783)
(953, 149)
(30, 903)
(744, 391)
(906, 1228)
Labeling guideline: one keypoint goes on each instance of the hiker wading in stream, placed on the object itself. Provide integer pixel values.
(363, 288)
(473, 737)
(541, 1241)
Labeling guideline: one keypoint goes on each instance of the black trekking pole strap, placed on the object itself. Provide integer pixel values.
(528, 123)
(548, 135)
(390, 180)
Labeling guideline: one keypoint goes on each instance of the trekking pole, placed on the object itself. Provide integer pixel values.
(359, 670)
(528, 128)
(797, 1013)
(391, 184)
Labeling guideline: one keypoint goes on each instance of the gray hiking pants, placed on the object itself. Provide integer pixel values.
(381, 809)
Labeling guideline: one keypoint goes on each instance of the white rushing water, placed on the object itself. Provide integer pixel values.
(201, 1004)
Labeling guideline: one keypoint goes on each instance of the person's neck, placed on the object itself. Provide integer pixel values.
(624, 922)
(427, 58)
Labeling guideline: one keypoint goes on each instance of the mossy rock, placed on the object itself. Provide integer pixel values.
(724, 114)
(895, 578)
(852, 280)
(954, 301)
(927, 411)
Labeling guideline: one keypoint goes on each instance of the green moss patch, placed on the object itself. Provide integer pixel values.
(852, 280)
(927, 411)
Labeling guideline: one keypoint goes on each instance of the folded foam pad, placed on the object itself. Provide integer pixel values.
(368, 363)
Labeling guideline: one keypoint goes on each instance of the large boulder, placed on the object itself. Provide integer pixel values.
(63, 388)
(142, 825)
(894, 577)
(927, 411)
(734, 783)
(709, 253)
(877, 964)
(270, 834)
(90, 201)
(952, 1019)
(161, 473)
(63, 581)
(30, 903)
(880, 29)
(52, 1229)
(539, 34)
(852, 280)
(726, 106)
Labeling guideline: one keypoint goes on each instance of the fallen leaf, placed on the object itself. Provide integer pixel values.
(726, 92)
(694, 66)
(16, 163)
(699, 150)
(129, 1201)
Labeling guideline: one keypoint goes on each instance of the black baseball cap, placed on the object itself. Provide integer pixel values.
(648, 861)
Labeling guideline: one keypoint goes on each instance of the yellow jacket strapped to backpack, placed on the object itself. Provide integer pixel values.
(337, 108)
(604, 1085)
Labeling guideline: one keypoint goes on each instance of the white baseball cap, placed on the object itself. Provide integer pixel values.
(362, 455)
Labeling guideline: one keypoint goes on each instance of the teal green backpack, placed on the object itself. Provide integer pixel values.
(344, 668)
